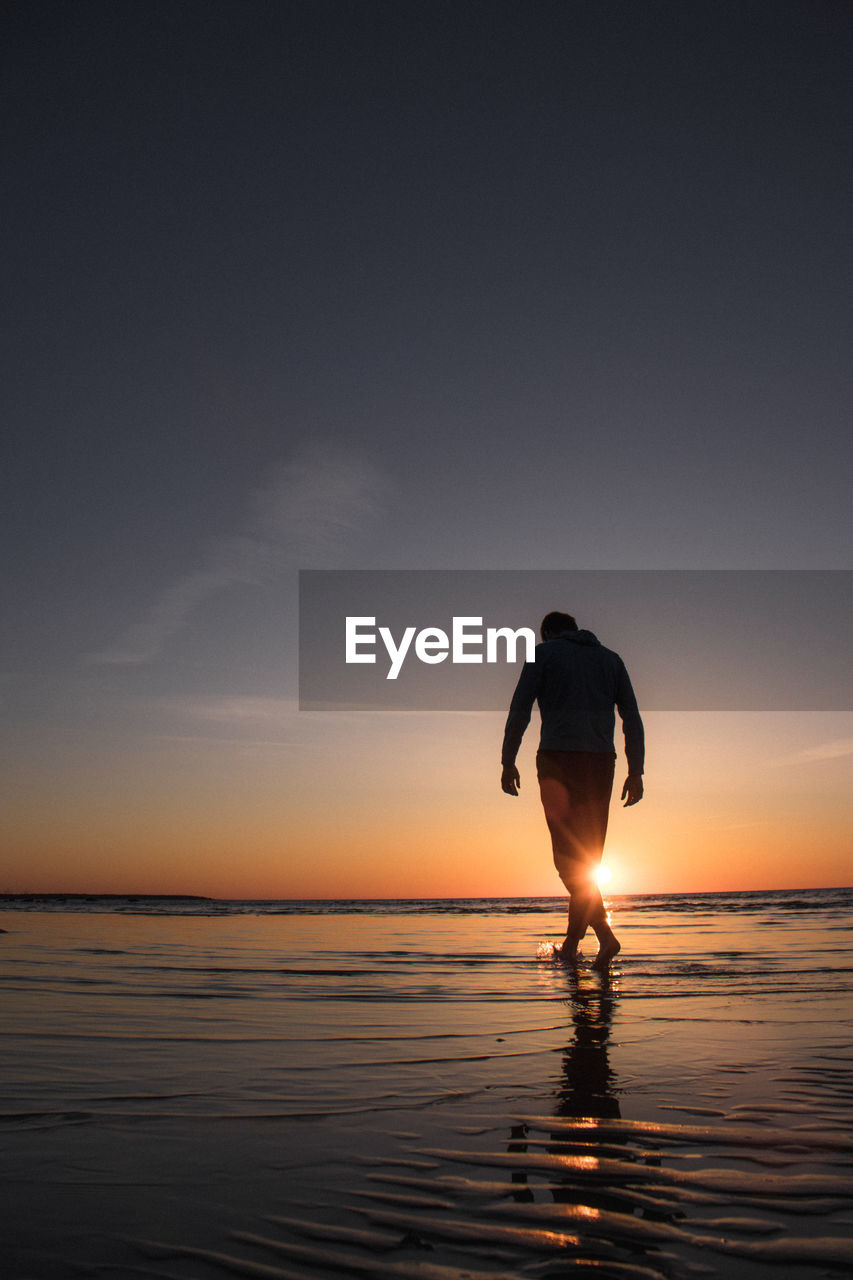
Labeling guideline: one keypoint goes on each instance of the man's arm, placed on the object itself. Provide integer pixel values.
(635, 740)
(517, 721)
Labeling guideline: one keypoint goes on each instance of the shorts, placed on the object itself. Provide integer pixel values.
(575, 787)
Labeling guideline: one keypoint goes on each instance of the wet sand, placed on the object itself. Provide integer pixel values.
(404, 1095)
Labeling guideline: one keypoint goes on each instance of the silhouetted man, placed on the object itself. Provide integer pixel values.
(577, 683)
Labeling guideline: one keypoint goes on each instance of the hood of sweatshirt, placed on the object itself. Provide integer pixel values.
(578, 637)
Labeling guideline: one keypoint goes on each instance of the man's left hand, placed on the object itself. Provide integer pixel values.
(510, 780)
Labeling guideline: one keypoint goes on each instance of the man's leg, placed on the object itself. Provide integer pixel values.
(575, 788)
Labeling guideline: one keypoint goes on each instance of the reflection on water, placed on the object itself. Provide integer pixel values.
(652, 1199)
(579, 1176)
(586, 1089)
(588, 1086)
(399, 1095)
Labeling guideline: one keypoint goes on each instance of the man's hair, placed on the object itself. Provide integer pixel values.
(554, 623)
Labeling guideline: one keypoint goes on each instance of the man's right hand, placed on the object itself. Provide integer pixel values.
(510, 780)
(633, 789)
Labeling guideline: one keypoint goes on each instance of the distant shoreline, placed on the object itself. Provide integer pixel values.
(109, 897)
(104, 898)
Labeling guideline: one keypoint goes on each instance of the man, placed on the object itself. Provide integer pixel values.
(577, 683)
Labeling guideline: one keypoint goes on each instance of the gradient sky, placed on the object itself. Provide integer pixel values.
(396, 285)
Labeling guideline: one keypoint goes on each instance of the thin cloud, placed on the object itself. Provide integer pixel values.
(247, 723)
(303, 516)
(229, 709)
(835, 749)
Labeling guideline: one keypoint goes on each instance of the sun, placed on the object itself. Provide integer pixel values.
(603, 876)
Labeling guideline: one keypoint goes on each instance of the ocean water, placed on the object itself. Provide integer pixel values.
(199, 1088)
(821, 901)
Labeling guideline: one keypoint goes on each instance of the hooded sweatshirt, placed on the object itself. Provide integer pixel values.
(577, 683)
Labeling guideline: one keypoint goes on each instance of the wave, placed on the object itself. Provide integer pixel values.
(744, 902)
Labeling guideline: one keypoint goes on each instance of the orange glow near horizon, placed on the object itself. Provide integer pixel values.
(732, 802)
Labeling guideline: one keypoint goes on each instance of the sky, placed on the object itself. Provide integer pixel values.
(334, 285)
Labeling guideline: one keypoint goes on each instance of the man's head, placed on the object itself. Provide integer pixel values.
(555, 623)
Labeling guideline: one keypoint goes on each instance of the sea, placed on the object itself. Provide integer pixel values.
(194, 1087)
(818, 900)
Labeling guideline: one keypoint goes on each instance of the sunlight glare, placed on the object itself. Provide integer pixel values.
(603, 876)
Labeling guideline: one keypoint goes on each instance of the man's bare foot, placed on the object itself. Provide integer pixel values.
(566, 951)
(610, 947)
